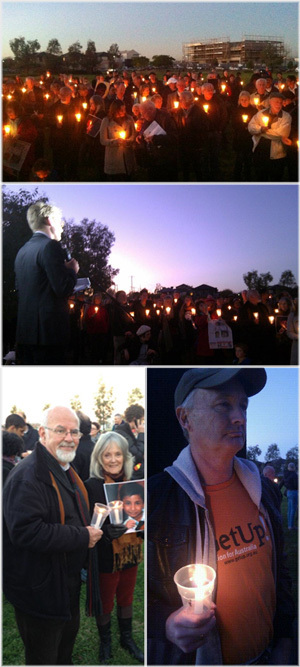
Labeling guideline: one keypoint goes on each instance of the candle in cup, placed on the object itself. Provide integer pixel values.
(84, 105)
(223, 88)
(256, 316)
(176, 105)
(147, 312)
(96, 309)
(47, 96)
(158, 311)
(271, 319)
(265, 120)
(99, 515)
(7, 130)
(245, 117)
(256, 101)
(235, 318)
(175, 300)
(219, 312)
(9, 97)
(168, 310)
(206, 107)
(78, 117)
(116, 511)
(193, 311)
(23, 90)
(122, 134)
(132, 314)
(60, 119)
(195, 585)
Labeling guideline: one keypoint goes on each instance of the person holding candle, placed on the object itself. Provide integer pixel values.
(117, 134)
(160, 147)
(120, 554)
(46, 538)
(292, 330)
(259, 97)
(217, 115)
(268, 129)
(212, 507)
(242, 140)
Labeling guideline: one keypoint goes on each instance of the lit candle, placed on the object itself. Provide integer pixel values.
(158, 311)
(256, 316)
(136, 126)
(196, 99)
(60, 119)
(132, 314)
(206, 107)
(193, 311)
(116, 511)
(229, 307)
(9, 97)
(245, 117)
(223, 87)
(235, 318)
(168, 310)
(47, 96)
(78, 117)
(195, 584)
(144, 98)
(271, 319)
(23, 90)
(175, 300)
(176, 105)
(99, 515)
(154, 90)
(96, 309)
(122, 134)
(135, 94)
(84, 105)
(7, 129)
(154, 305)
(282, 86)
(41, 83)
(71, 306)
(147, 312)
(265, 120)
(219, 312)
(256, 101)
(242, 83)
(276, 311)
(47, 75)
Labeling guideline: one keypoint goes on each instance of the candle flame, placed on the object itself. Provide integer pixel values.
(176, 105)
(256, 101)
(122, 135)
(206, 107)
(245, 118)
(84, 105)
(78, 117)
(60, 119)
(265, 120)
(7, 129)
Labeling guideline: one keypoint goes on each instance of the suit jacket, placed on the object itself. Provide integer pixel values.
(44, 284)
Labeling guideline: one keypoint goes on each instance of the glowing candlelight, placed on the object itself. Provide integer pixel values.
(206, 107)
(96, 309)
(223, 87)
(276, 311)
(99, 515)
(297, 143)
(60, 119)
(41, 83)
(116, 512)
(196, 99)
(154, 305)
(219, 312)
(154, 90)
(168, 310)
(23, 90)
(7, 129)
(256, 101)
(48, 75)
(84, 105)
(176, 105)
(144, 98)
(242, 83)
(195, 584)
(157, 311)
(193, 311)
(245, 117)
(256, 316)
(235, 318)
(229, 307)
(135, 94)
(136, 126)
(47, 96)
(78, 117)
(122, 134)
(271, 319)
(71, 306)
(175, 300)
(265, 120)
(147, 312)
(282, 86)
(132, 313)
(9, 97)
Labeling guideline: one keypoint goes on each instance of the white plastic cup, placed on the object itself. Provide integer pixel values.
(195, 584)
(100, 513)
(116, 512)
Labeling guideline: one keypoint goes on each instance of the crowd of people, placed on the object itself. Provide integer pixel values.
(133, 126)
(176, 328)
(49, 540)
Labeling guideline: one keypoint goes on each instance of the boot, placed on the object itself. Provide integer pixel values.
(127, 641)
(105, 643)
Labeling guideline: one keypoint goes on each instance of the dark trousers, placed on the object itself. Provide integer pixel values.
(50, 641)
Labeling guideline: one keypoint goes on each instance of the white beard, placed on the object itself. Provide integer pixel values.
(65, 457)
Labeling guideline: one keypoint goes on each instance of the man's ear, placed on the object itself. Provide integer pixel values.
(48, 222)
(42, 433)
(182, 417)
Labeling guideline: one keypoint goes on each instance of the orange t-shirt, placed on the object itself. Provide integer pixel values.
(245, 589)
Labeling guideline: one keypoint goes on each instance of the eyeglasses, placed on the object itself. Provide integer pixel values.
(62, 432)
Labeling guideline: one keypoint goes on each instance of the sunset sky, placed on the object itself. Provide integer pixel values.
(193, 234)
(150, 28)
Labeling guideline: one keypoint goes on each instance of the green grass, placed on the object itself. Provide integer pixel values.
(86, 647)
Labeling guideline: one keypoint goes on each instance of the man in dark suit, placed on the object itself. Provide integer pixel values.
(44, 281)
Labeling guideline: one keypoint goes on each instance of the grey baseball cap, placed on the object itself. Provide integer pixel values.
(252, 379)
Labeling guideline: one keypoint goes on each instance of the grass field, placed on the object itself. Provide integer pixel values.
(87, 642)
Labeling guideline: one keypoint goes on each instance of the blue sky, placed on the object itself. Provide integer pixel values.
(193, 234)
(151, 28)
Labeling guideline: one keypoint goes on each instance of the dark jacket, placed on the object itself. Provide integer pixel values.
(30, 438)
(172, 544)
(83, 456)
(37, 548)
(136, 448)
(44, 284)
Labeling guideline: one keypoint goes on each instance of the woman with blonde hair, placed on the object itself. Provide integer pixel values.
(111, 462)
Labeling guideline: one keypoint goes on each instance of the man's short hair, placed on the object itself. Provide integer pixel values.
(131, 489)
(85, 423)
(38, 214)
(12, 444)
(15, 420)
(134, 412)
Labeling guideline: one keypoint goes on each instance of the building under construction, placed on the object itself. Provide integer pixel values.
(250, 48)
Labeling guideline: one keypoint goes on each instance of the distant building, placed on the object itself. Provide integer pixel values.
(222, 49)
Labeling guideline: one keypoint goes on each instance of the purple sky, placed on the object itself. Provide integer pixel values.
(193, 234)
